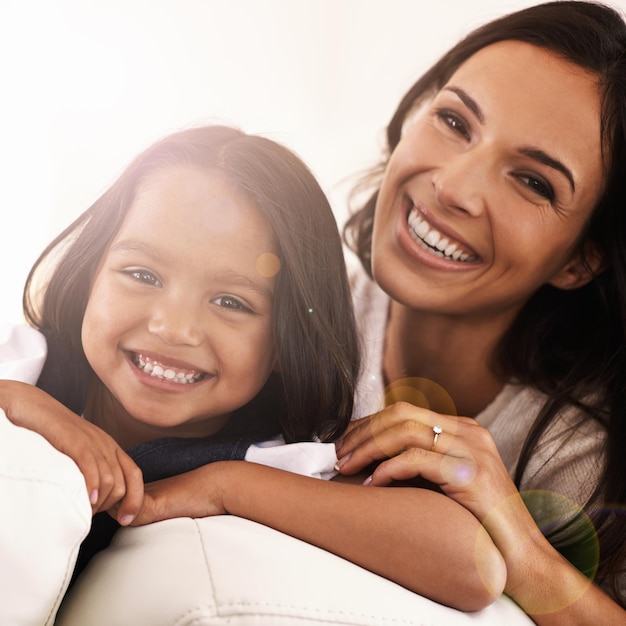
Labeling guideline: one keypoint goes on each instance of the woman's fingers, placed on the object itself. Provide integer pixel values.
(391, 431)
(451, 472)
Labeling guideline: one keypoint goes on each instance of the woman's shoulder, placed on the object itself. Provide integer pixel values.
(569, 455)
(23, 352)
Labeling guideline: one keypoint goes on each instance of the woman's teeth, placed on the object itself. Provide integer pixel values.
(154, 368)
(432, 240)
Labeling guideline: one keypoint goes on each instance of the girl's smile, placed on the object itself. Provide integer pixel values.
(160, 368)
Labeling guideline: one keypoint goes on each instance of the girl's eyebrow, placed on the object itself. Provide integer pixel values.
(241, 280)
(137, 247)
(224, 275)
(534, 153)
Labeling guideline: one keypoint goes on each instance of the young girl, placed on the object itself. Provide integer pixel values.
(201, 304)
(202, 298)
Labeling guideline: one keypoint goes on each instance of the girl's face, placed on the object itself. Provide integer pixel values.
(178, 325)
(486, 195)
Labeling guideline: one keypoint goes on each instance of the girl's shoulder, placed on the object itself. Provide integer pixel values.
(23, 352)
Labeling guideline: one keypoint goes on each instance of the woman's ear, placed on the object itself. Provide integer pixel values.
(581, 269)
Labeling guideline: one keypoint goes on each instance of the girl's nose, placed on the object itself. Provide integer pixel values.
(176, 323)
(461, 182)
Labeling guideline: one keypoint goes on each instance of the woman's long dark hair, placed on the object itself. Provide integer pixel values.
(313, 322)
(569, 344)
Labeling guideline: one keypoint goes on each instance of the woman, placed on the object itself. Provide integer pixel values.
(496, 234)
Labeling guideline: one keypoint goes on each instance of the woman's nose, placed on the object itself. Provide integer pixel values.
(176, 323)
(461, 183)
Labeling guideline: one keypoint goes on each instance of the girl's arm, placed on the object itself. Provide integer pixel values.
(415, 537)
(467, 467)
(110, 474)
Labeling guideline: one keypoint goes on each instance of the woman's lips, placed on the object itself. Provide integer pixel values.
(436, 242)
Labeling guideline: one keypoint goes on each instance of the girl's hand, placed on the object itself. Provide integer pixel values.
(193, 494)
(111, 476)
(464, 462)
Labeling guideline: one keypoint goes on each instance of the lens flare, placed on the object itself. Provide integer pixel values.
(568, 528)
(268, 265)
(420, 392)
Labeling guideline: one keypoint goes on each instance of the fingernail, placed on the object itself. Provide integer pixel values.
(342, 461)
(93, 496)
(367, 481)
(126, 519)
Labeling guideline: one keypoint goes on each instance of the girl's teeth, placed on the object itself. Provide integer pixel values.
(154, 369)
(423, 233)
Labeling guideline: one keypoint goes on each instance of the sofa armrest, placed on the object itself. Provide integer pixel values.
(45, 515)
(228, 570)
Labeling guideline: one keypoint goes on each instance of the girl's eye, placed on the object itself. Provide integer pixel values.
(454, 122)
(144, 276)
(539, 186)
(230, 302)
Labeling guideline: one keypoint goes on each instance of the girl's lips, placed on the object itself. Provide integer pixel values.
(434, 240)
(165, 369)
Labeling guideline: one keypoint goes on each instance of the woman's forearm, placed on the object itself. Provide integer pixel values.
(418, 538)
(542, 582)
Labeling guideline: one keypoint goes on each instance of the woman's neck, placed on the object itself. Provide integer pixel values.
(454, 353)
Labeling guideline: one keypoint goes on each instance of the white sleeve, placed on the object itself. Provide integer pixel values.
(308, 458)
(23, 351)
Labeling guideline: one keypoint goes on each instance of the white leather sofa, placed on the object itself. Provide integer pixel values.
(180, 572)
(227, 570)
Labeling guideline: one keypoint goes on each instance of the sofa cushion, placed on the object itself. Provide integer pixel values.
(228, 570)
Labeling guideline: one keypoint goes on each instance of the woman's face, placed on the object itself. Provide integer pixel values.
(486, 195)
(178, 325)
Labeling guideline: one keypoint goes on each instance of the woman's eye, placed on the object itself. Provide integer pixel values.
(144, 276)
(539, 186)
(230, 302)
(454, 122)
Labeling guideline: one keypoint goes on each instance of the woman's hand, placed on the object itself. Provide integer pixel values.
(464, 461)
(111, 476)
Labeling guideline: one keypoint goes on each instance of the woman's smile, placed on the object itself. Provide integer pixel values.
(434, 241)
(488, 191)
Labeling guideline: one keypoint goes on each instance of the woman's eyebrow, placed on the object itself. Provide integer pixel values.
(468, 101)
(546, 159)
(534, 153)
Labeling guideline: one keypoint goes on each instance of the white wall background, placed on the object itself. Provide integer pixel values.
(86, 84)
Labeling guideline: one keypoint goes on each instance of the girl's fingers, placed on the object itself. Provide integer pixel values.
(131, 503)
(112, 486)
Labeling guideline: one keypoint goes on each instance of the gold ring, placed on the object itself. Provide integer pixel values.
(437, 430)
